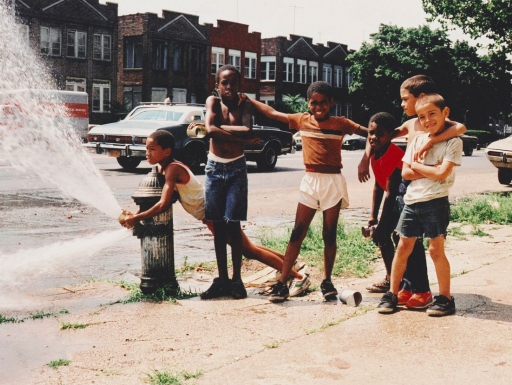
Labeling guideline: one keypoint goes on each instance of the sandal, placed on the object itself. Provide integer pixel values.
(379, 287)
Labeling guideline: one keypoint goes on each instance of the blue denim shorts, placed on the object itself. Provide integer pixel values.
(430, 218)
(226, 190)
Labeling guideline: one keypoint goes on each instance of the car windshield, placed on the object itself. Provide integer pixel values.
(158, 115)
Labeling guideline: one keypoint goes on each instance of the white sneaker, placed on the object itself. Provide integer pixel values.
(298, 287)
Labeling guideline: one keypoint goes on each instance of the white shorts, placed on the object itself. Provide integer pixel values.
(323, 191)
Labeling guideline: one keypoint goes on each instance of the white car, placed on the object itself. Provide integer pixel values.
(499, 154)
(126, 140)
(297, 140)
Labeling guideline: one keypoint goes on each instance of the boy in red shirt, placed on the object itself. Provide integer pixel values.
(386, 163)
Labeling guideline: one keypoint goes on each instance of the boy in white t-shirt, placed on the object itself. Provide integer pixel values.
(427, 209)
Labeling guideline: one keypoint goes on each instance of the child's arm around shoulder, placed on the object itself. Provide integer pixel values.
(214, 117)
(453, 129)
(268, 111)
(404, 129)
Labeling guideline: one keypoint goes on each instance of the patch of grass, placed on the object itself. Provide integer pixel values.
(198, 266)
(483, 209)
(456, 232)
(166, 293)
(479, 232)
(4, 319)
(57, 363)
(40, 315)
(74, 326)
(166, 378)
(354, 255)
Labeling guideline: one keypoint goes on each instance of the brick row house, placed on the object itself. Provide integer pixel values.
(232, 43)
(289, 66)
(122, 61)
(76, 41)
(162, 56)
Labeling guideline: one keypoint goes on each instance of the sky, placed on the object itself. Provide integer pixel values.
(347, 22)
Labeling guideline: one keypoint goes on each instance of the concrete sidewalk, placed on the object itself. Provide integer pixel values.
(302, 341)
(408, 347)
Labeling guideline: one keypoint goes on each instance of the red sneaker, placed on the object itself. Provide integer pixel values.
(419, 300)
(404, 296)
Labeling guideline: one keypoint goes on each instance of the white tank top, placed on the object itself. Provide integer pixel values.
(191, 194)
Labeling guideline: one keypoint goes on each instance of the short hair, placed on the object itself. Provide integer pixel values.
(435, 99)
(384, 120)
(323, 88)
(164, 139)
(228, 67)
(419, 84)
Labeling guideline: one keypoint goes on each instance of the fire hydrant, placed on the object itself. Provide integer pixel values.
(156, 236)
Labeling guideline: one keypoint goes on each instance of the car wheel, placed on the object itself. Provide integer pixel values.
(267, 159)
(504, 176)
(468, 151)
(193, 156)
(128, 163)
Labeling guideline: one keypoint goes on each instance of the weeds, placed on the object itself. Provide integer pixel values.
(4, 319)
(189, 267)
(37, 315)
(74, 326)
(483, 209)
(169, 292)
(457, 232)
(274, 344)
(477, 231)
(354, 253)
(166, 378)
(57, 363)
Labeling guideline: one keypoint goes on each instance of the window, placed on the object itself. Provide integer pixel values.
(234, 58)
(338, 110)
(348, 111)
(197, 59)
(76, 45)
(313, 71)
(217, 59)
(101, 96)
(179, 95)
(338, 76)
(250, 65)
(133, 52)
(132, 96)
(302, 71)
(102, 47)
(288, 69)
(268, 68)
(50, 41)
(180, 57)
(327, 73)
(159, 54)
(348, 79)
(158, 94)
(75, 85)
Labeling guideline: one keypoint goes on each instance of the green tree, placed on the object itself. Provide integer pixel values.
(394, 54)
(477, 18)
(296, 103)
(474, 86)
